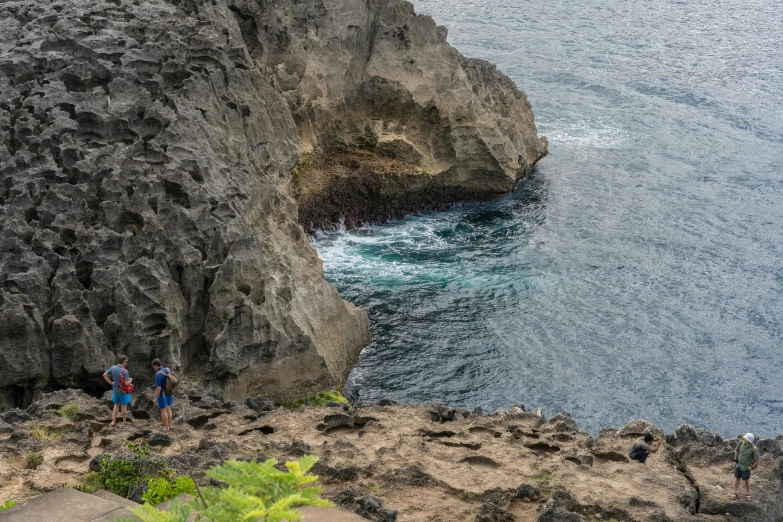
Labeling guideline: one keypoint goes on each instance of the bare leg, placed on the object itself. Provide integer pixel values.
(171, 417)
(124, 413)
(747, 487)
(736, 485)
(114, 413)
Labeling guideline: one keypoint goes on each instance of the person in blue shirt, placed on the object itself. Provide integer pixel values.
(112, 376)
(164, 401)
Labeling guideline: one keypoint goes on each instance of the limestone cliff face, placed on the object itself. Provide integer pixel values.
(398, 120)
(144, 207)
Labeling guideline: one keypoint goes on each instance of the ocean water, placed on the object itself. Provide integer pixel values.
(638, 272)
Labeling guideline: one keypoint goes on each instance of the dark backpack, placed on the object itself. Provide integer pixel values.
(172, 383)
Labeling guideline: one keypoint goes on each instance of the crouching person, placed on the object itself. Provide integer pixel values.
(641, 447)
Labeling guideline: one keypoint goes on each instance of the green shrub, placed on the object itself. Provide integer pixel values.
(319, 399)
(69, 411)
(119, 475)
(164, 488)
(8, 504)
(254, 492)
(34, 459)
(91, 483)
(139, 450)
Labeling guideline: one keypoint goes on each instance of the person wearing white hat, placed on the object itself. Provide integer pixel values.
(746, 457)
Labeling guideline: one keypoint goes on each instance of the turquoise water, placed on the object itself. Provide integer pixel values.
(639, 271)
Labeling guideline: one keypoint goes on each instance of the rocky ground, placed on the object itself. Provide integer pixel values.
(411, 462)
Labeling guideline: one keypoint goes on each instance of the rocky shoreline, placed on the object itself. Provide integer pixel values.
(392, 462)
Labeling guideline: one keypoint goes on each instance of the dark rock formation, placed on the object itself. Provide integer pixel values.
(144, 207)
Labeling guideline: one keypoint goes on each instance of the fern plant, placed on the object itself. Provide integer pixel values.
(254, 492)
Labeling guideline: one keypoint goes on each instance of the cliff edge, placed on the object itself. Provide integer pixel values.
(411, 462)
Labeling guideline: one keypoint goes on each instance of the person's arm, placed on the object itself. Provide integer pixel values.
(107, 379)
(128, 379)
(756, 458)
(157, 393)
(658, 443)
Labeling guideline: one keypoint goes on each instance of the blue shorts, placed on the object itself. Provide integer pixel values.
(741, 474)
(164, 401)
(120, 398)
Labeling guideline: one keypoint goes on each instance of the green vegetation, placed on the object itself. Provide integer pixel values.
(33, 460)
(164, 488)
(543, 477)
(319, 399)
(253, 492)
(367, 141)
(69, 411)
(48, 433)
(593, 518)
(91, 483)
(119, 475)
(8, 504)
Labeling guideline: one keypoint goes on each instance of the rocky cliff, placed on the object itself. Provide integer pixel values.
(146, 201)
(391, 118)
(145, 163)
(412, 462)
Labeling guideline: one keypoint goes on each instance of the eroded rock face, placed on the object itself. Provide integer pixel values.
(396, 118)
(144, 207)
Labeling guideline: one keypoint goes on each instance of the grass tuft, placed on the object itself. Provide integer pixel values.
(91, 482)
(543, 477)
(47, 433)
(34, 459)
(69, 411)
(319, 399)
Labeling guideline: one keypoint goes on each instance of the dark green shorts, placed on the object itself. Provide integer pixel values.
(740, 474)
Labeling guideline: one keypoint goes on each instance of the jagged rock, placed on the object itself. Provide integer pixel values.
(527, 493)
(772, 446)
(259, 404)
(490, 512)
(560, 423)
(297, 448)
(367, 506)
(14, 416)
(550, 513)
(89, 408)
(159, 439)
(687, 434)
(477, 411)
(639, 427)
(442, 414)
(386, 402)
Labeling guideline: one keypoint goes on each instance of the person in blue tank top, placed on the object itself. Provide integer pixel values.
(163, 401)
(112, 376)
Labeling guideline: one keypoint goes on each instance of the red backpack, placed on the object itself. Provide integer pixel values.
(124, 386)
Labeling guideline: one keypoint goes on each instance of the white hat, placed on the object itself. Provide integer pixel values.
(748, 437)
